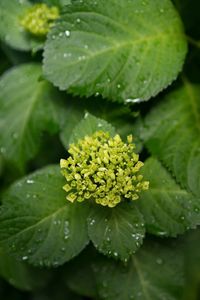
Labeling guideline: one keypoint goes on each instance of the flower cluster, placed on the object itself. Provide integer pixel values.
(39, 19)
(103, 169)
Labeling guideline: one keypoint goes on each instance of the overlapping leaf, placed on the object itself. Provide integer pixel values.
(11, 31)
(154, 273)
(172, 133)
(168, 210)
(89, 125)
(19, 274)
(28, 107)
(123, 50)
(38, 225)
(116, 232)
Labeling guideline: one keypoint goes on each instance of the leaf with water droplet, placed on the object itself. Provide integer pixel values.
(46, 223)
(168, 210)
(122, 45)
(140, 278)
(23, 121)
(20, 275)
(119, 236)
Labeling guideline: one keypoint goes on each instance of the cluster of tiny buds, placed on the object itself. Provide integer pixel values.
(39, 19)
(103, 169)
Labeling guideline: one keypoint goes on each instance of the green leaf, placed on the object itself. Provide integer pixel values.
(168, 210)
(28, 108)
(124, 50)
(118, 115)
(89, 125)
(116, 232)
(19, 274)
(38, 225)
(171, 132)
(11, 31)
(154, 273)
(79, 274)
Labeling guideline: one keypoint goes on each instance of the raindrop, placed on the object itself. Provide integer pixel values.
(14, 136)
(67, 55)
(119, 86)
(67, 33)
(81, 57)
(86, 115)
(130, 100)
(162, 233)
(78, 20)
(2, 150)
(92, 222)
(159, 261)
(115, 254)
(29, 181)
(24, 258)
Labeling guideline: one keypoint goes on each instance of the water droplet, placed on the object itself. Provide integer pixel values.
(115, 254)
(162, 233)
(60, 34)
(67, 33)
(130, 100)
(66, 230)
(92, 222)
(15, 136)
(86, 46)
(86, 115)
(29, 181)
(65, 55)
(83, 57)
(24, 258)
(2, 150)
(161, 10)
(159, 261)
(119, 86)
(78, 20)
(99, 125)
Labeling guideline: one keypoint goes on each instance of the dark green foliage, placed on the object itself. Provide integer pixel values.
(94, 71)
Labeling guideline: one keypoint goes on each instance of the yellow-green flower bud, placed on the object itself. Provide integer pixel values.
(103, 169)
(39, 19)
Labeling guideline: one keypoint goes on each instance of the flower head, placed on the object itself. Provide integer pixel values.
(103, 169)
(39, 19)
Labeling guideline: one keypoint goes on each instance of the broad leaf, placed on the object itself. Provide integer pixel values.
(171, 132)
(124, 50)
(79, 275)
(116, 232)
(28, 107)
(19, 274)
(168, 210)
(11, 31)
(118, 115)
(37, 223)
(154, 273)
(89, 125)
